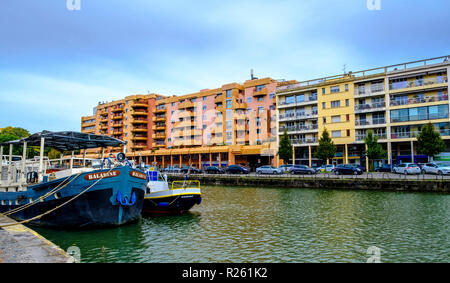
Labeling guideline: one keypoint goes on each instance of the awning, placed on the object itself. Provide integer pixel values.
(68, 141)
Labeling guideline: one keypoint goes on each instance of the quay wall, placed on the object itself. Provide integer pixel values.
(370, 184)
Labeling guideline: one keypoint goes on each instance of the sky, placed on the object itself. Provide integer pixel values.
(56, 63)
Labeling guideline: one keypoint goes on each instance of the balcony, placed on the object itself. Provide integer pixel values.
(117, 133)
(117, 125)
(218, 99)
(300, 128)
(139, 129)
(418, 100)
(159, 136)
(139, 146)
(187, 114)
(117, 117)
(159, 127)
(116, 109)
(161, 110)
(373, 122)
(418, 83)
(240, 127)
(139, 113)
(139, 121)
(415, 134)
(373, 107)
(361, 137)
(137, 104)
(262, 92)
(237, 117)
(298, 116)
(186, 104)
(304, 141)
(306, 101)
(159, 118)
(374, 89)
(140, 137)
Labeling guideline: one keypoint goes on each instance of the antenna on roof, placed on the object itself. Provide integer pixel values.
(345, 69)
(252, 77)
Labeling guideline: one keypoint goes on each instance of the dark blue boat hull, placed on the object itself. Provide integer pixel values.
(98, 207)
(170, 205)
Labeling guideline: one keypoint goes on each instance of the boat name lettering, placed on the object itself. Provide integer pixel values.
(96, 176)
(138, 175)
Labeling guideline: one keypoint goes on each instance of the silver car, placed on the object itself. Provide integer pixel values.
(268, 169)
(436, 168)
(407, 168)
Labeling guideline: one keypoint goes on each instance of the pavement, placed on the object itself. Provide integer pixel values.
(19, 244)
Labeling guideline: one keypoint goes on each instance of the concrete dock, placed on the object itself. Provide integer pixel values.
(19, 244)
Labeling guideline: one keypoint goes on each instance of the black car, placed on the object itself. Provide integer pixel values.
(236, 169)
(194, 170)
(347, 169)
(384, 168)
(214, 170)
(302, 169)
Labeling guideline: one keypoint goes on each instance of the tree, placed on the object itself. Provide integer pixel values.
(374, 149)
(11, 134)
(429, 141)
(285, 150)
(326, 149)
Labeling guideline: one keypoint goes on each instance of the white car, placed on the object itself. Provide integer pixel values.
(436, 168)
(407, 168)
(268, 169)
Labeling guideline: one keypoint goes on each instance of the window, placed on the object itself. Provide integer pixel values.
(249, 99)
(204, 98)
(258, 131)
(204, 107)
(348, 117)
(324, 105)
(272, 95)
(324, 120)
(193, 99)
(336, 119)
(346, 87)
(260, 98)
(260, 109)
(323, 90)
(336, 134)
(259, 87)
(228, 93)
(348, 133)
(335, 89)
(300, 98)
(229, 103)
(335, 104)
(289, 99)
(347, 102)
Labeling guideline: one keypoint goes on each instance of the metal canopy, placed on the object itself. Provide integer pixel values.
(68, 141)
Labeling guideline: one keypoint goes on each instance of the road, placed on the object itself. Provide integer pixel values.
(374, 175)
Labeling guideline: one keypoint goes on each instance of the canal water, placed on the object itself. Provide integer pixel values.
(279, 225)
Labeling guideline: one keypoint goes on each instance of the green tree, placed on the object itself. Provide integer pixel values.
(374, 149)
(11, 134)
(285, 150)
(429, 141)
(326, 149)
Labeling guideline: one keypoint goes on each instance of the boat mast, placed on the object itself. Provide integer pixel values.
(10, 164)
(24, 160)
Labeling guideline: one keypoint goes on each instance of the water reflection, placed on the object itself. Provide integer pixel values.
(279, 225)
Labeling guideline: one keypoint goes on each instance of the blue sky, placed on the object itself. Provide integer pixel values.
(56, 64)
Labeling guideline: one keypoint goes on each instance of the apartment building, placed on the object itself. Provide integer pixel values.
(233, 124)
(392, 101)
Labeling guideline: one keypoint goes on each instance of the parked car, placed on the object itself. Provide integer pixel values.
(326, 168)
(344, 169)
(384, 168)
(236, 169)
(285, 168)
(407, 168)
(172, 169)
(302, 169)
(436, 168)
(214, 170)
(268, 169)
(363, 169)
(194, 170)
(421, 165)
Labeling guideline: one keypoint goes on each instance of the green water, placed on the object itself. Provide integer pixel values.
(279, 225)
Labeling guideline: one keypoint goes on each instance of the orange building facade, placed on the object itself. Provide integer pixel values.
(233, 124)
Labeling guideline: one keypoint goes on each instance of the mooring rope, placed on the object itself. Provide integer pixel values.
(43, 197)
(57, 207)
